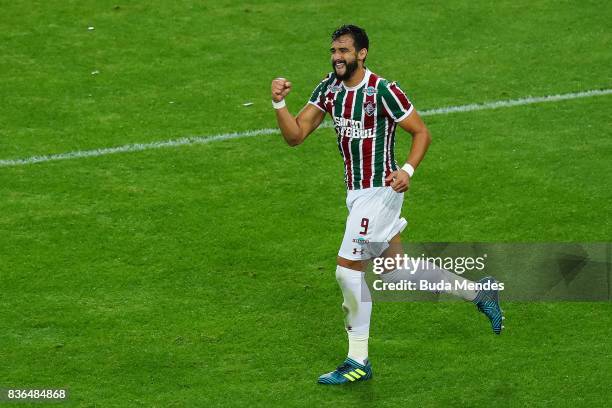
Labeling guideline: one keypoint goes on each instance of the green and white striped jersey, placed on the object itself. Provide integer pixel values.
(365, 117)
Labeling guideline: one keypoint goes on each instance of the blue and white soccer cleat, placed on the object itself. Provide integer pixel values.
(487, 302)
(348, 372)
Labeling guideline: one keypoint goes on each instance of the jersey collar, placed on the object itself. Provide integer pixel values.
(364, 81)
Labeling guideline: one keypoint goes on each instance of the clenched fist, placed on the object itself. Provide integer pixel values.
(280, 89)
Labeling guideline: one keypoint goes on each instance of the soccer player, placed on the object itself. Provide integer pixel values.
(366, 109)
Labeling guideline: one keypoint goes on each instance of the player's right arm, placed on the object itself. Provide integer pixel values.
(294, 129)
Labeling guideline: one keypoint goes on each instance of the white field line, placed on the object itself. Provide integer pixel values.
(186, 141)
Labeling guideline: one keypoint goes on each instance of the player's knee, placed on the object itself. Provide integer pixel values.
(350, 264)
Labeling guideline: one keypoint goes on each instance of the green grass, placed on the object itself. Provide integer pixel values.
(203, 275)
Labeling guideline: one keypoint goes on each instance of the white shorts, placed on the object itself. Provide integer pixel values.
(374, 218)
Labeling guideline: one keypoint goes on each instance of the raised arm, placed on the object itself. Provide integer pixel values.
(294, 129)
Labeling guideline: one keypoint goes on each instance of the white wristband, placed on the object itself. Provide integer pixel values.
(408, 169)
(278, 105)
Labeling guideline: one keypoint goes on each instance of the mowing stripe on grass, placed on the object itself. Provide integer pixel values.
(185, 141)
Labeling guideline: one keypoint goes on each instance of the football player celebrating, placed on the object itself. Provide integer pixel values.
(366, 109)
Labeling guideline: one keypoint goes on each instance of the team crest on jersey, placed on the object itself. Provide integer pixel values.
(369, 108)
(370, 90)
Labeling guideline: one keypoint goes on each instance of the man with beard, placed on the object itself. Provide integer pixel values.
(366, 109)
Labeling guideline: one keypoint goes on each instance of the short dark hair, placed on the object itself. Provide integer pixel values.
(360, 38)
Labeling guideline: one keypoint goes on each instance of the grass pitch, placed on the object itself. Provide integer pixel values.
(203, 275)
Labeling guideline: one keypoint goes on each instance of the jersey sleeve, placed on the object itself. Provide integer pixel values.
(318, 95)
(396, 103)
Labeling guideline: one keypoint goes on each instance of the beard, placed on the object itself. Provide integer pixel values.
(349, 70)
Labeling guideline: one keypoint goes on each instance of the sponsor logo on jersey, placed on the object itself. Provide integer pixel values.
(369, 108)
(370, 90)
(334, 88)
(353, 129)
(361, 241)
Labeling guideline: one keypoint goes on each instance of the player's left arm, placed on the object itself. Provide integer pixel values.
(421, 138)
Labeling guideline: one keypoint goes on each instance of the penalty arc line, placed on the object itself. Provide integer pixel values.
(194, 140)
